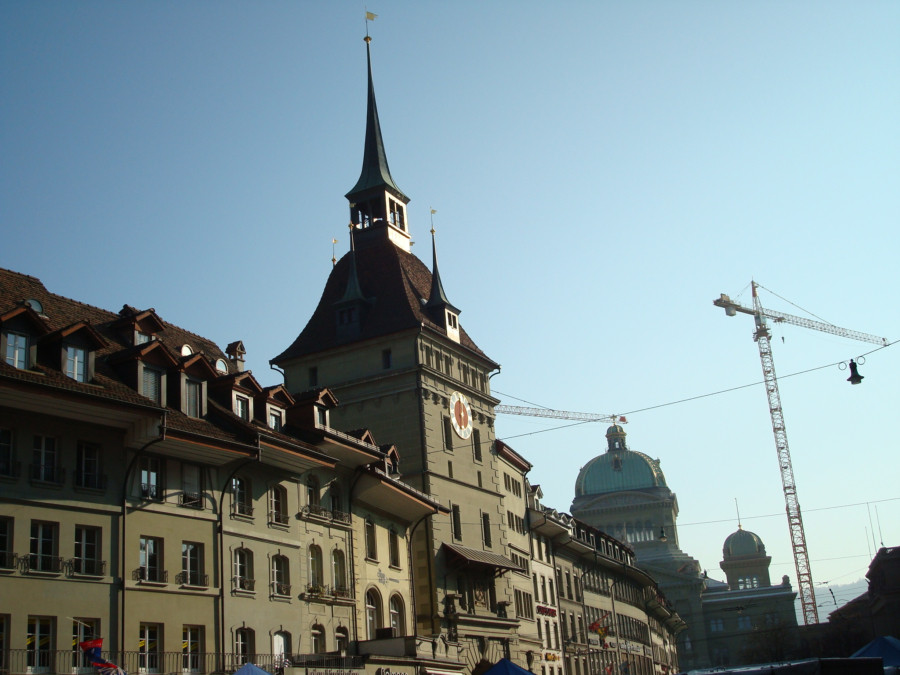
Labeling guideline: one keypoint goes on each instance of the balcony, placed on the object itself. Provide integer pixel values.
(279, 518)
(90, 480)
(10, 469)
(150, 575)
(47, 473)
(35, 562)
(195, 579)
(320, 512)
(244, 584)
(190, 500)
(86, 567)
(152, 491)
(244, 509)
(281, 590)
(69, 662)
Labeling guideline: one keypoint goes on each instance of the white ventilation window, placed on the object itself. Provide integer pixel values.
(221, 366)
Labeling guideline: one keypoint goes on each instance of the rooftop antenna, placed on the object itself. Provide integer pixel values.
(333, 256)
(737, 508)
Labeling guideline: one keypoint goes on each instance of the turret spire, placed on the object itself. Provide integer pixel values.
(440, 308)
(375, 201)
(375, 171)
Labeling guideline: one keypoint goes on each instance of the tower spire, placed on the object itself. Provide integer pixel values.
(438, 298)
(375, 172)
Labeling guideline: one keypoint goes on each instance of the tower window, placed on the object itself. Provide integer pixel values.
(386, 359)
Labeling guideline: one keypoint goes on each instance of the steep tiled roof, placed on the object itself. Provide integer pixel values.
(396, 284)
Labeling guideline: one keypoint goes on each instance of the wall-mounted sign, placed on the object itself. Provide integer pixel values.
(546, 611)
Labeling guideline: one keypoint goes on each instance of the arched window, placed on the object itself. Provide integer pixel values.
(281, 577)
(244, 645)
(341, 640)
(278, 505)
(373, 613)
(281, 648)
(312, 491)
(243, 569)
(398, 623)
(241, 499)
(316, 578)
(339, 573)
(318, 639)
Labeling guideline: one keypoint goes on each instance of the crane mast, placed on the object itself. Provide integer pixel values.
(792, 504)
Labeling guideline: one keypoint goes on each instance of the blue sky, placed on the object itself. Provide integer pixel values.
(601, 172)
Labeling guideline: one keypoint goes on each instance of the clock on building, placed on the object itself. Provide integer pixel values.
(460, 415)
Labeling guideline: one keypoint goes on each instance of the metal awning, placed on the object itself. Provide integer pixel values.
(471, 556)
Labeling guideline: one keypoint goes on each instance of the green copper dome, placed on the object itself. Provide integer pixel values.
(618, 469)
(742, 543)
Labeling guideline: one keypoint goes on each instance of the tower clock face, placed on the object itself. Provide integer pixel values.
(460, 415)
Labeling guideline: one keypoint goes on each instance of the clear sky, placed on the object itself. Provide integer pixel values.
(601, 172)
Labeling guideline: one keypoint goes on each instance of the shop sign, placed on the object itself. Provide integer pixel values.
(385, 671)
(546, 611)
(550, 656)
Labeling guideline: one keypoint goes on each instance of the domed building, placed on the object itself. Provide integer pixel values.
(624, 493)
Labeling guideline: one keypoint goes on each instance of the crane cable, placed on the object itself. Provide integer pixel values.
(691, 398)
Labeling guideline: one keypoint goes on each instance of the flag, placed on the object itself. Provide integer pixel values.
(370, 16)
(92, 648)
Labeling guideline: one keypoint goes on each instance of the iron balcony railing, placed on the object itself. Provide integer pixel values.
(279, 517)
(87, 479)
(152, 491)
(190, 500)
(73, 662)
(36, 562)
(244, 583)
(86, 567)
(242, 509)
(150, 574)
(192, 579)
(47, 473)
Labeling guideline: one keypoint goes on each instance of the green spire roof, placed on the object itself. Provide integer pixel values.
(375, 171)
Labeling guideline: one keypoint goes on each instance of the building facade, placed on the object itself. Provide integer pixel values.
(624, 493)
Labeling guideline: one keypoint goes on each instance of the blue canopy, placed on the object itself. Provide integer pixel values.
(507, 667)
(251, 669)
(887, 647)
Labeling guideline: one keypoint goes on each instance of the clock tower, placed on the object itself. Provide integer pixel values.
(387, 341)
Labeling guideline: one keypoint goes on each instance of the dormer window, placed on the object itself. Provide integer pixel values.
(242, 407)
(193, 391)
(141, 338)
(76, 363)
(322, 416)
(151, 384)
(275, 419)
(17, 350)
(452, 321)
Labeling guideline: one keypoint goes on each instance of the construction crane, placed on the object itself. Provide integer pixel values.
(761, 337)
(560, 414)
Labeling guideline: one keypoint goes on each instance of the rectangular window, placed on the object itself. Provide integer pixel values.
(486, 529)
(242, 407)
(385, 359)
(149, 648)
(43, 460)
(17, 350)
(275, 420)
(151, 478)
(151, 384)
(87, 468)
(76, 366)
(192, 392)
(40, 644)
(191, 648)
(82, 631)
(6, 543)
(191, 486)
(455, 522)
(476, 445)
(448, 434)
(371, 544)
(87, 551)
(450, 469)
(151, 560)
(44, 547)
(313, 377)
(6, 453)
(394, 541)
(192, 564)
